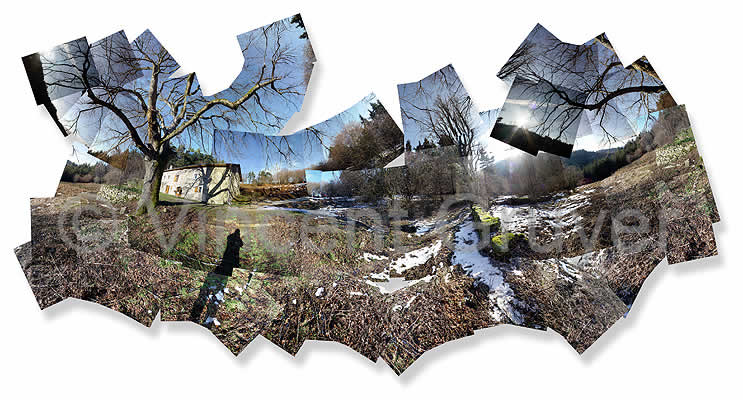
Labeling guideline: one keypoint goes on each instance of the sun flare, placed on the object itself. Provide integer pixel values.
(522, 120)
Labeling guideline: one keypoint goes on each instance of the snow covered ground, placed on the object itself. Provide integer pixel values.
(467, 254)
(415, 258)
(559, 215)
(424, 226)
(411, 259)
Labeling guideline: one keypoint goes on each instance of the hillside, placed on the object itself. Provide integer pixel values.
(581, 158)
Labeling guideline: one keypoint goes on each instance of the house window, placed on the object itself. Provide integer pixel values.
(167, 188)
(197, 189)
(176, 178)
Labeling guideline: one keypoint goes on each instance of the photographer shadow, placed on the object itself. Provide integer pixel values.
(211, 294)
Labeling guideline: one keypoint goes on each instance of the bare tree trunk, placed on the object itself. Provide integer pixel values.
(153, 177)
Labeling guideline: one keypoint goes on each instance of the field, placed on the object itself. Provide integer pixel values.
(387, 283)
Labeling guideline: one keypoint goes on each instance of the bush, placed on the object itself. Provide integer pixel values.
(87, 178)
(573, 176)
(113, 176)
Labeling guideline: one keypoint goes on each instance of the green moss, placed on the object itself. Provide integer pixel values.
(234, 306)
(519, 200)
(486, 219)
(502, 243)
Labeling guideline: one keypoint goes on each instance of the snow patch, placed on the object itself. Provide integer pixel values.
(368, 257)
(394, 284)
(423, 227)
(415, 258)
(467, 255)
(407, 305)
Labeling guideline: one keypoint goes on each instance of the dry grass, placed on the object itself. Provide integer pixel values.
(579, 305)
(301, 277)
(272, 192)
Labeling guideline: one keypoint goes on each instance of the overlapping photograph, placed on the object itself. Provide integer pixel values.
(547, 213)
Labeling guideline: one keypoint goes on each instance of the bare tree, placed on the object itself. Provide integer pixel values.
(150, 112)
(521, 58)
(450, 122)
(438, 108)
(570, 79)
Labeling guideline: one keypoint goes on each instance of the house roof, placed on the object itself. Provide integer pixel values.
(221, 165)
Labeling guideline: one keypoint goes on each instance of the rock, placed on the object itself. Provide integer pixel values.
(501, 244)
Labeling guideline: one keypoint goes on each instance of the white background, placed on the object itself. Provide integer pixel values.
(682, 338)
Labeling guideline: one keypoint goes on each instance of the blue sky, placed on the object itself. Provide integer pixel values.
(330, 176)
(262, 149)
(313, 176)
(299, 150)
(257, 53)
(591, 135)
(527, 107)
(62, 65)
(79, 154)
(548, 51)
(266, 118)
(623, 118)
(417, 97)
(321, 177)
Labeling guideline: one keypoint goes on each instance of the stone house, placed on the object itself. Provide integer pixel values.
(205, 183)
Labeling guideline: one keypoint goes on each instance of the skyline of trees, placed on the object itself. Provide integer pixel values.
(145, 109)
